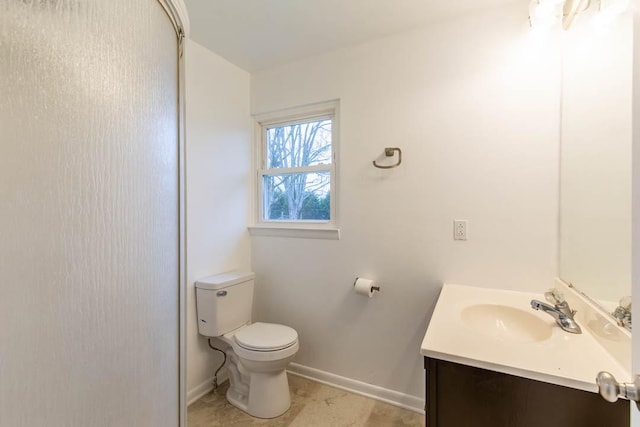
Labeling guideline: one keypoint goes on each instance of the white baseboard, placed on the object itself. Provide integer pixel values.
(200, 390)
(412, 403)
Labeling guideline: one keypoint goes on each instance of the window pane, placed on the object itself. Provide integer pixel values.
(297, 196)
(299, 145)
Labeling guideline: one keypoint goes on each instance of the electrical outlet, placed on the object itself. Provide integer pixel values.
(460, 229)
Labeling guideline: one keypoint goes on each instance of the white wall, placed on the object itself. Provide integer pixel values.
(218, 129)
(474, 105)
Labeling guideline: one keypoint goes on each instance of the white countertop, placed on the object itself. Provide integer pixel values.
(570, 360)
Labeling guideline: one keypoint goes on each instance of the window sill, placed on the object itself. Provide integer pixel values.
(295, 232)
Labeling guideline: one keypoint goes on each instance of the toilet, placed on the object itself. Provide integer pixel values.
(257, 353)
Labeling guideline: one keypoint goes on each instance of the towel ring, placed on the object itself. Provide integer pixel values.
(388, 152)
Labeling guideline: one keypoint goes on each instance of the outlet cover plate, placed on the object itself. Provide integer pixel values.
(460, 229)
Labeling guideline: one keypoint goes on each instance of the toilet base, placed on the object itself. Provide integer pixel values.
(268, 396)
(258, 387)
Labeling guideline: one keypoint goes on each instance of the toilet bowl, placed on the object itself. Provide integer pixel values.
(257, 353)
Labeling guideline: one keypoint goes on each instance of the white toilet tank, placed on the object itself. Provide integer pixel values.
(224, 302)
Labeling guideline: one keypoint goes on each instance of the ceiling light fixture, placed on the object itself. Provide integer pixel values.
(570, 9)
(545, 14)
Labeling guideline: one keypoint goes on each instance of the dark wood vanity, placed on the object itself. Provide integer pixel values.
(463, 396)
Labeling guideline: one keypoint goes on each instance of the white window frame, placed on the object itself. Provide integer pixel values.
(323, 229)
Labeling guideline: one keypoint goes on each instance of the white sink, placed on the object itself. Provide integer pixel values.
(497, 330)
(506, 323)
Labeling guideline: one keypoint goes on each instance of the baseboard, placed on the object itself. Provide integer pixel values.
(391, 397)
(200, 390)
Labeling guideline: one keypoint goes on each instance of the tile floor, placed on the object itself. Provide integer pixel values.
(312, 405)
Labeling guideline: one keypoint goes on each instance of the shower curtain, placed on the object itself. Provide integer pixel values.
(89, 214)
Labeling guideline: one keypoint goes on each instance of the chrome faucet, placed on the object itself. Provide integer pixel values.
(622, 313)
(560, 311)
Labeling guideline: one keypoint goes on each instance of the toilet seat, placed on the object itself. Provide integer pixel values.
(265, 337)
(270, 342)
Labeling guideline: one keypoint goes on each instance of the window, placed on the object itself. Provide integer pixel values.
(296, 168)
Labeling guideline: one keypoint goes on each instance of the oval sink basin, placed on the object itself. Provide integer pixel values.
(506, 323)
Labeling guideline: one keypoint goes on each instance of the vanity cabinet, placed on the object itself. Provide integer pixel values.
(461, 396)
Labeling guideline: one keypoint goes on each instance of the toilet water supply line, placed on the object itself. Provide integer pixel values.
(224, 360)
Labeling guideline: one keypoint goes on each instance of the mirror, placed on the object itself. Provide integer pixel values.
(595, 160)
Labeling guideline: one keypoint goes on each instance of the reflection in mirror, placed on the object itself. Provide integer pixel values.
(595, 190)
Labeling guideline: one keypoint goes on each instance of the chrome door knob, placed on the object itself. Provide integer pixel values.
(611, 390)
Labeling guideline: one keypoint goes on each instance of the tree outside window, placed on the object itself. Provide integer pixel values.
(296, 180)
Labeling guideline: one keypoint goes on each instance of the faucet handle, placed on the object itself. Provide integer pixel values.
(554, 296)
(622, 313)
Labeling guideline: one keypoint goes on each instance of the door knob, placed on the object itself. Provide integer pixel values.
(611, 390)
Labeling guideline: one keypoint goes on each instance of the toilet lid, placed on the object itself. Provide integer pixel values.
(266, 337)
